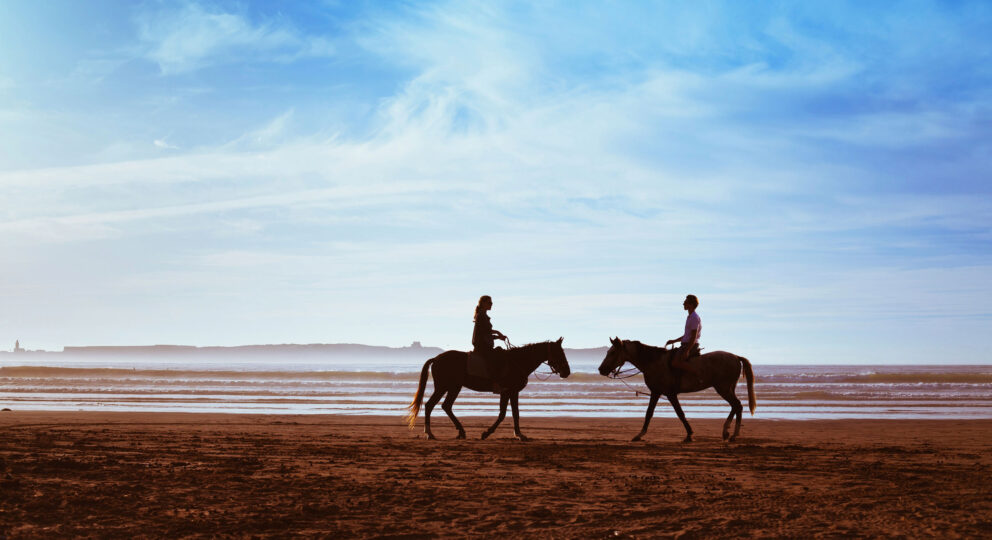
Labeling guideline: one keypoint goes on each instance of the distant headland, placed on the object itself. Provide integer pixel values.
(415, 349)
(350, 349)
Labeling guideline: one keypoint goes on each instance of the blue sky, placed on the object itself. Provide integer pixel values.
(221, 173)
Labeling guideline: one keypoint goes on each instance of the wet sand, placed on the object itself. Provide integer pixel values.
(164, 474)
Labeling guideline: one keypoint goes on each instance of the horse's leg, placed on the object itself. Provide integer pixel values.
(735, 410)
(448, 402)
(674, 400)
(503, 399)
(516, 416)
(647, 416)
(737, 427)
(435, 397)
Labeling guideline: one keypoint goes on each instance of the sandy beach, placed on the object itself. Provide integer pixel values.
(162, 474)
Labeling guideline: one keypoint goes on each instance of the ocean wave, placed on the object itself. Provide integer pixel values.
(116, 374)
(966, 377)
(949, 377)
(973, 375)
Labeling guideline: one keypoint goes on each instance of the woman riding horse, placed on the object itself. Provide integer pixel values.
(483, 336)
(508, 373)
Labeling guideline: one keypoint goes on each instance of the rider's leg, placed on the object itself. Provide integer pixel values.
(497, 369)
(496, 375)
(680, 361)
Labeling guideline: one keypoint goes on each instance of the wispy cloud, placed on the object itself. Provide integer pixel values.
(161, 143)
(196, 35)
(269, 136)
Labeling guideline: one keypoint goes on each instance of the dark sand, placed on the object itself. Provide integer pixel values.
(170, 475)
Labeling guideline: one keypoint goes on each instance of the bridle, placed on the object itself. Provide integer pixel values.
(626, 374)
(547, 360)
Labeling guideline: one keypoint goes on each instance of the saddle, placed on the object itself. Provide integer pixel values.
(693, 352)
(476, 366)
(486, 366)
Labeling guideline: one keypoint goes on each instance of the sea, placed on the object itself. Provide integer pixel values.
(291, 384)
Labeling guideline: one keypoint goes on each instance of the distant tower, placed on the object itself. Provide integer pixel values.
(415, 345)
(17, 346)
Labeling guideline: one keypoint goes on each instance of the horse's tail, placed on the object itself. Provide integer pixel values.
(418, 398)
(749, 375)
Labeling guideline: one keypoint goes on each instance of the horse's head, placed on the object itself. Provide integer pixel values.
(556, 359)
(615, 357)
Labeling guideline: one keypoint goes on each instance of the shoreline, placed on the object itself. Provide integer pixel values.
(439, 420)
(209, 474)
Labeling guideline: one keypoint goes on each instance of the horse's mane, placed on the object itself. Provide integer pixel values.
(545, 342)
(649, 352)
(519, 351)
(528, 346)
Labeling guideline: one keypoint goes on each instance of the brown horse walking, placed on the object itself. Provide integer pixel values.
(450, 373)
(718, 369)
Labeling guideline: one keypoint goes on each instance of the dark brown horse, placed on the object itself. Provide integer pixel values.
(450, 373)
(719, 369)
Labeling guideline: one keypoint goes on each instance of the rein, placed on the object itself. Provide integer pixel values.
(621, 375)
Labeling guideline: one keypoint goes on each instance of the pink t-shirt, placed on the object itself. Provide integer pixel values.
(692, 322)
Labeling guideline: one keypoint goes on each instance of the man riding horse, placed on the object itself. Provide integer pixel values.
(689, 339)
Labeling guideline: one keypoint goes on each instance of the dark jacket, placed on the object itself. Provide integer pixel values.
(482, 335)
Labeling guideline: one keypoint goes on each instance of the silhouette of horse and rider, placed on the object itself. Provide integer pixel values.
(666, 371)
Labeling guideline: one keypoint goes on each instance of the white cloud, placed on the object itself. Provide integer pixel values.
(268, 136)
(161, 143)
(195, 36)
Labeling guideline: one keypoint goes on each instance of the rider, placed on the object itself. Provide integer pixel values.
(483, 336)
(690, 338)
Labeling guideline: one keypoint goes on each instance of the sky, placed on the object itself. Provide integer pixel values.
(225, 173)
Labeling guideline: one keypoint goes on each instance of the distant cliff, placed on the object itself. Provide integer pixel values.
(416, 350)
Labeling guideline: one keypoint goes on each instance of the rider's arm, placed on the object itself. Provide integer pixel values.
(498, 335)
(692, 337)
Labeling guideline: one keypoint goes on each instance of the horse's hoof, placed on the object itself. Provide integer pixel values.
(688, 438)
(461, 435)
(485, 435)
(726, 436)
(431, 437)
(522, 438)
(732, 439)
(636, 439)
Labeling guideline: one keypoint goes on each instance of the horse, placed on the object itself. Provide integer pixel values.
(720, 370)
(449, 370)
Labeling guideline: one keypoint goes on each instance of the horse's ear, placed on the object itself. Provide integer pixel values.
(561, 339)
